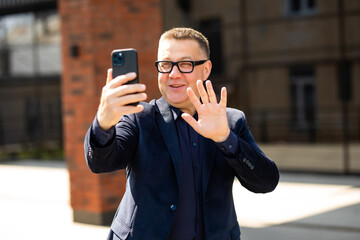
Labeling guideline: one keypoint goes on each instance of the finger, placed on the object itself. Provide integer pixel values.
(130, 98)
(203, 94)
(122, 79)
(211, 92)
(223, 99)
(129, 109)
(190, 120)
(109, 75)
(129, 89)
(193, 98)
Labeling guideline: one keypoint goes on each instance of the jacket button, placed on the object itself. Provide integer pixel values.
(173, 207)
(90, 153)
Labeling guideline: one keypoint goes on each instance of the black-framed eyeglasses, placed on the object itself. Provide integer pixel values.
(183, 66)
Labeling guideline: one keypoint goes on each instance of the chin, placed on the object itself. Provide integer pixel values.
(176, 99)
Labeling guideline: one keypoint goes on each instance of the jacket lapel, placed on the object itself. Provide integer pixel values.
(165, 121)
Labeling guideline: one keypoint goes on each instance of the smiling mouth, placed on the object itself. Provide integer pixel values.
(176, 86)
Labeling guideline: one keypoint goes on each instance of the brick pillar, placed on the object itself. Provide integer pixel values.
(90, 30)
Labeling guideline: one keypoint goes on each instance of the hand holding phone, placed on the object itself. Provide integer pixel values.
(122, 92)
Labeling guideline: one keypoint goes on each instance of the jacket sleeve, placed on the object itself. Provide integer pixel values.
(107, 151)
(252, 167)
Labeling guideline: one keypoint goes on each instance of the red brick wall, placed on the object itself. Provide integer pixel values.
(94, 28)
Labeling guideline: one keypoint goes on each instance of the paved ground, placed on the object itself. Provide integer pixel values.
(34, 204)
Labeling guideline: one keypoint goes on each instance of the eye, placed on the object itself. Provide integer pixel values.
(185, 64)
(165, 64)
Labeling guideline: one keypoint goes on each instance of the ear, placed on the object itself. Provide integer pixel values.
(207, 69)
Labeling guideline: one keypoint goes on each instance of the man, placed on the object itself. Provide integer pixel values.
(181, 151)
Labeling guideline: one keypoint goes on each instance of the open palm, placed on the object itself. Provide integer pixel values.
(212, 120)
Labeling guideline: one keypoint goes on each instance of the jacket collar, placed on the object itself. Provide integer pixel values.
(165, 121)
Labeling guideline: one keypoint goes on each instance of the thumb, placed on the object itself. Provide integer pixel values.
(190, 120)
(109, 75)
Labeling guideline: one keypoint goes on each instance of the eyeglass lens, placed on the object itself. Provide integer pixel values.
(183, 66)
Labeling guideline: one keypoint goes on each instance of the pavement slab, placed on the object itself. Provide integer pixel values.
(34, 204)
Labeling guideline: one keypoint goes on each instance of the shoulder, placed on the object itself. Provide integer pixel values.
(235, 114)
(149, 110)
(235, 117)
(148, 107)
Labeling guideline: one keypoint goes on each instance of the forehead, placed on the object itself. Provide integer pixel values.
(174, 49)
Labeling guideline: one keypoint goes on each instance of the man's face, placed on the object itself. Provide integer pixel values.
(173, 85)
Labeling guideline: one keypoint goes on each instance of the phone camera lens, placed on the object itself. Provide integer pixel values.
(118, 59)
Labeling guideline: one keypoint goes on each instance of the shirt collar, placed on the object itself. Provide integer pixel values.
(177, 113)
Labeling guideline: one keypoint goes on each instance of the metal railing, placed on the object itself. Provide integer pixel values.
(30, 115)
(278, 125)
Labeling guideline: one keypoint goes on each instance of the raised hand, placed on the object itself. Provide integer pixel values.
(212, 120)
(115, 96)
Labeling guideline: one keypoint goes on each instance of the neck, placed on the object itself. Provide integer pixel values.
(191, 111)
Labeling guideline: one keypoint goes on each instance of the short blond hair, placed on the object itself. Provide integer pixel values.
(182, 33)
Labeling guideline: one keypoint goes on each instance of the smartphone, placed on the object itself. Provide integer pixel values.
(124, 61)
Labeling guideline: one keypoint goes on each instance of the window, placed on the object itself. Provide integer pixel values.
(212, 31)
(303, 98)
(300, 7)
(30, 44)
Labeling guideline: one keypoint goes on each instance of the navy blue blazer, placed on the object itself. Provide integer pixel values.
(146, 144)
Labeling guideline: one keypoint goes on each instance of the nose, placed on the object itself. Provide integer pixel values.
(174, 72)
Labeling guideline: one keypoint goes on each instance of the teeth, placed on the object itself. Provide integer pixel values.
(176, 86)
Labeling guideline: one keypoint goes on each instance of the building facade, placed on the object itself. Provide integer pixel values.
(30, 68)
(288, 64)
(293, 66)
